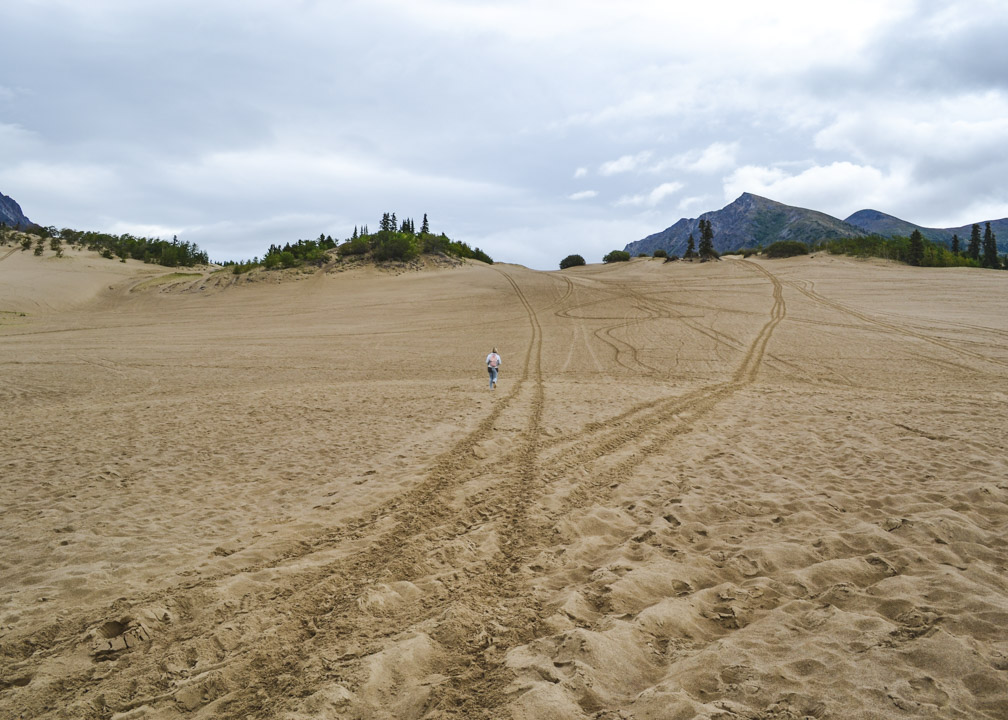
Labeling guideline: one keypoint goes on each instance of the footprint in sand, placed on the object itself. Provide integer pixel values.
(117, 635)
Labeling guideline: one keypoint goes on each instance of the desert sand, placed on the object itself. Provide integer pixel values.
(742, 489)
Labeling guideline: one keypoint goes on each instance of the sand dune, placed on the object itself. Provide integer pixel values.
(746, 489)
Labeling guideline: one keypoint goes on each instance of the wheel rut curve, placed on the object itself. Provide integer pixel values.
(317, 606)
(892, 328)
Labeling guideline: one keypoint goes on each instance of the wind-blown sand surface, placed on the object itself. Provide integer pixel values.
(746, 489)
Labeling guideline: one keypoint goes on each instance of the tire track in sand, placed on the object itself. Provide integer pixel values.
(315, 609)
(485, 692)
(893, 328)
(419, 519)
(404, 555)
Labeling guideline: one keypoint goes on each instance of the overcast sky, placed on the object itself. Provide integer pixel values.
(532, 129)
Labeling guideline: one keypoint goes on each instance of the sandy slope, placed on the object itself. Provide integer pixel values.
(746, 489)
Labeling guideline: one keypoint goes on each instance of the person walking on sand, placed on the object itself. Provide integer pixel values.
(493, 365)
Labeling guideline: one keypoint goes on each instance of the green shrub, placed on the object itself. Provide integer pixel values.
(660, 253)
(354, 246)
(395, 246)
(571, 261)
(616, 256)
(441, 243)
(786, 248)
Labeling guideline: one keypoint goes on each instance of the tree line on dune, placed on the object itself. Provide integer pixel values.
(913, 250)
(171, 253)
(393, 241)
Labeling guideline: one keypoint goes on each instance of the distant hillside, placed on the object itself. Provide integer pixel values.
(748, 222)
(11, 215)
(873, 221)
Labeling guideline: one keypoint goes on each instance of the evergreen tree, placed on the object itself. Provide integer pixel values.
(425, 228)
(706, 240)
(974, 243)
(990, 256)
(915, 255)
(955, 244)
(690, 247)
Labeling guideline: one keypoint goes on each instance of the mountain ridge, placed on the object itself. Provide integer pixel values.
(876, 221)
(11, 214)
(749, 221)
(752, 220)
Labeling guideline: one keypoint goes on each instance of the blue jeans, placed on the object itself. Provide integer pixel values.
(493, 375)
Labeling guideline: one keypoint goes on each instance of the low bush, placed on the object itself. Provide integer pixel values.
(786, 248)
(660, 253)
(354, 246)
(571, 261)
(616, 256)
(395, 246)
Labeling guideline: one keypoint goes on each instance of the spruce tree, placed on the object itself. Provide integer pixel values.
(974, 243)
(706, 240)
(915, 256)
(425, 228)
(690, 248)
(955, 244)
(990, 257)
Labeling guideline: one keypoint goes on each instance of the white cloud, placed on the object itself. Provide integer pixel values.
(838, 189)
(960, 129)
(716, 157)
(84, 180)
(624, 164)
(580, 172)
(143, 230)
(583, 195)
(691, 203)
(16, 142)
(653, 198)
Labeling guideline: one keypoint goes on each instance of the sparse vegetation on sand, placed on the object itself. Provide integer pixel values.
(126, 246)
(392, 242)
(921, 252)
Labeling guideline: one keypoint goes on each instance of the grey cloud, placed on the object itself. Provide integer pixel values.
(251, 123)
